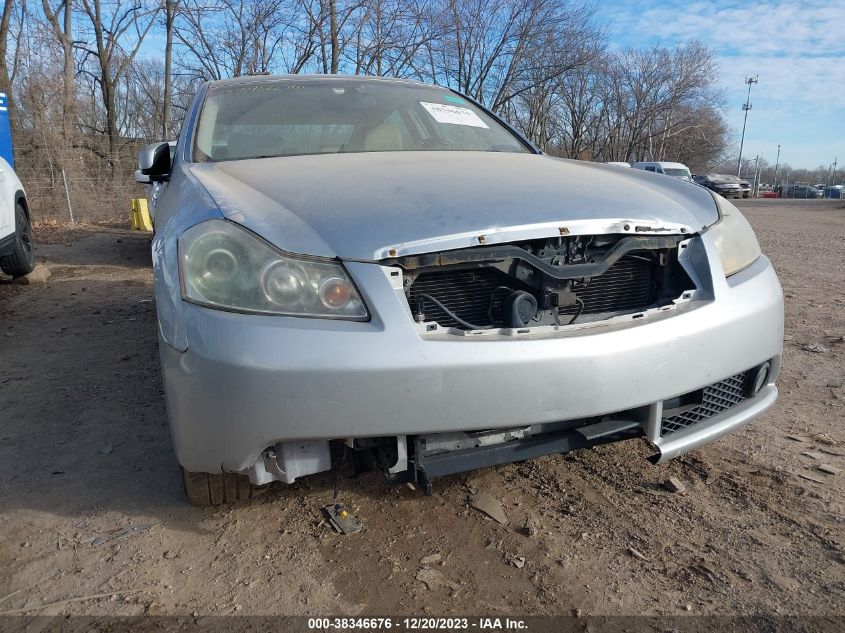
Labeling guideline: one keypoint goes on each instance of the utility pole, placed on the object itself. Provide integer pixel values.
(745, 107)
(777, 163)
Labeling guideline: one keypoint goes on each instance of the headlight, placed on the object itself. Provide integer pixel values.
(734, 238)
(225, 266)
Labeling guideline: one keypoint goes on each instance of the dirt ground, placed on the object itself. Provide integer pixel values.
(85, 451)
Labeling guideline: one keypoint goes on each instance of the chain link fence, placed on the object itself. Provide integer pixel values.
(77, 182)
(75, 199)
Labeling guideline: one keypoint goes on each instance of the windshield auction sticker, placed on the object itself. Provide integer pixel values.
(453, 115)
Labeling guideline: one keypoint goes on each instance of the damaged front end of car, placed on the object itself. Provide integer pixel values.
(545, 283)
(544, 286)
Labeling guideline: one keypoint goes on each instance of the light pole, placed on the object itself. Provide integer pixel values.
(746, 107)
(777, 162)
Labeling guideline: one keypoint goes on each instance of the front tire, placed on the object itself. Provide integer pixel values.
(206, 489)
(21, 260)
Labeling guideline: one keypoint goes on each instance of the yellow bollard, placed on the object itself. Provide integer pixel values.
(141, 215)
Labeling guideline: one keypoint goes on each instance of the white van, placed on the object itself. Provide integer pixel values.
(678, 170)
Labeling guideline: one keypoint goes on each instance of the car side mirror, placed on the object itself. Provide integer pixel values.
(154, 161)
(141, 178)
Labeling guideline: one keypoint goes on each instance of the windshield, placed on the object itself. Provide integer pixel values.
(677, 173)
(326, 116)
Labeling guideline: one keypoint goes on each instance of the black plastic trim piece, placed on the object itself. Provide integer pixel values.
(438, 465)
(573, 271)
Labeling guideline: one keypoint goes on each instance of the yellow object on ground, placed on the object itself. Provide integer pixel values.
(141, 215)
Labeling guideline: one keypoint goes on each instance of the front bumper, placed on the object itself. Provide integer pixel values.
(248, 382)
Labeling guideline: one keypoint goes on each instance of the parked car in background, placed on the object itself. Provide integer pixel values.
(385, 269)
(725, 185)
(618, 163)
(767, 191)
(745, 186)
(834, 191)
(17, 257)
(802, 191)
(678, 170)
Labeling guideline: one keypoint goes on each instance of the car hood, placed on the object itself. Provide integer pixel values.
(373, 205)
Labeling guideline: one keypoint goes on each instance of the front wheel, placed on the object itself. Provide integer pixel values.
(206, 489)
(21, 260)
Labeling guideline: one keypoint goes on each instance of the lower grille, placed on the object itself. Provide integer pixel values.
(477, 295)
(717, 397)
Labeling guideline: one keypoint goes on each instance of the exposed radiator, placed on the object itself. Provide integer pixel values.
(477, 295)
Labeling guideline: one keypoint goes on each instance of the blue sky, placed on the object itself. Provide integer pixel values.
(796, 48)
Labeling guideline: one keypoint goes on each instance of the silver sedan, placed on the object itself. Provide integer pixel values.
(382, 270)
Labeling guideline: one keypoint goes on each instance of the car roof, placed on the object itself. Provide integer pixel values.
(663, 163)
(258, 79)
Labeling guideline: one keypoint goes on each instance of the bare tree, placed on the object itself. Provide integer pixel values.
(118, 30)
(171, 9)
(5, 26)
(392, 37)
(60, 21)
(230, 38)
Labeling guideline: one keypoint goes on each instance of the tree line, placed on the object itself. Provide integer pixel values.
(89, 81)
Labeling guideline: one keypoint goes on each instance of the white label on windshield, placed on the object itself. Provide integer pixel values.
(454, 115)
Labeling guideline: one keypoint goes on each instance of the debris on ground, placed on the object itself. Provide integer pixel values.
(66, 601)
(809, 478)
(433, 580)
(827, 451)
(638, 554)
(123, 533)
(528, 528)
(812, 455)
(814, 347)
(517, 561)
(673, 484)
(341, 520)
(490, 506)
(106, 450)
(830, 470)
(39, 275)
(430, 559)
(705, 572)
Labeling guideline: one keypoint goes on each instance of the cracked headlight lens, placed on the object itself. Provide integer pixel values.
(734, 238)
(224, 266)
